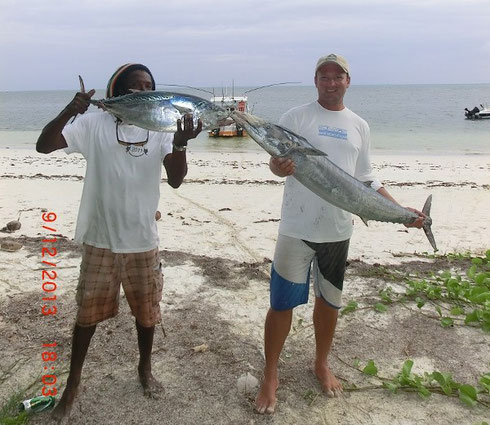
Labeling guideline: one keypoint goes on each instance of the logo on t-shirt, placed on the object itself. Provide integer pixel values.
(338, 133)
(136, 150)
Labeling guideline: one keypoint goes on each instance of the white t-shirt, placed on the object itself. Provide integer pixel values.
(345, 137)
(122, 185)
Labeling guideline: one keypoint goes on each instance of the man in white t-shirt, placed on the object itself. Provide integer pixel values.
(116, 221)
(313, 234)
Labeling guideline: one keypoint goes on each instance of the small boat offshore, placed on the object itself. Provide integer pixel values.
(477, 113)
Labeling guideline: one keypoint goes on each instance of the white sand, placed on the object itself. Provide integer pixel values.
(238, 183)
(228, 208)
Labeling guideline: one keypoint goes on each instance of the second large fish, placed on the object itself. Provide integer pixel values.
(315, 171)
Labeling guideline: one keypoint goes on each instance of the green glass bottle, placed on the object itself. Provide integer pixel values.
(37, 404)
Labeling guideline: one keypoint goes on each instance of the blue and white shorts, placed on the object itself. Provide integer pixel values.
(294, 259)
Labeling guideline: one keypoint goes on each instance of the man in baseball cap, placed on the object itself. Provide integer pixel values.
(333, 58)
(313, 234)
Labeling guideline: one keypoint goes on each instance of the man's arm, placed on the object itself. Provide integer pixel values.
(51, 138)
(176, 162)
(283, 167)
(418, 222)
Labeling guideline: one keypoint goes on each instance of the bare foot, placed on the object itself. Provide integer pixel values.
(328, 381)
(62, 410)
(151, 387)
(265, 402)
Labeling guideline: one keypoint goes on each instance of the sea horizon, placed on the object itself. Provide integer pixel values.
(403, 118)
(229, 86)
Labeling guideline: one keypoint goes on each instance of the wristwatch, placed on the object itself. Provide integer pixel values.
(179, 148)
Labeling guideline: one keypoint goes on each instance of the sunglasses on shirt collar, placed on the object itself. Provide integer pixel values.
(129, 144)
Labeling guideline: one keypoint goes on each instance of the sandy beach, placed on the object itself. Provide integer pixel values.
(217, 236)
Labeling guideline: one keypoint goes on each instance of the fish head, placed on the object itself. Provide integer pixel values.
(276, 140)
(212, 115)
(262, 132)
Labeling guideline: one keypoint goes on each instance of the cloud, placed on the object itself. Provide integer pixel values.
(202, 42)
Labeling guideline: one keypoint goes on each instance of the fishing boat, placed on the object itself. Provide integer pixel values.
(236, 103)
(477, 113)
(230, 103)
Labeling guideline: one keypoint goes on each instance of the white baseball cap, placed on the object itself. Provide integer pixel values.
(333, 58)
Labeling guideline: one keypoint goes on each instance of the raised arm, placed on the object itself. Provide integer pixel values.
(176, 162)
(51, 138)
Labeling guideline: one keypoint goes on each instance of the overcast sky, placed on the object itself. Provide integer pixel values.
(45, 44)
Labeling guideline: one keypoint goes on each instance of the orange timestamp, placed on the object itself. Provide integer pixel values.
(49, 308)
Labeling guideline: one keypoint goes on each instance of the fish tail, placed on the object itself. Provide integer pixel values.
(82, 90)
(428, 223)
(82, 85)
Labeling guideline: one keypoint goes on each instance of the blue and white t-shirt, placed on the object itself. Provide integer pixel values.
(345, 138)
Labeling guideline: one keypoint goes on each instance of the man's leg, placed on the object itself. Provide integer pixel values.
(325, 321)
(81, 341)
(289, 285)
(151, 386)
(277, 326)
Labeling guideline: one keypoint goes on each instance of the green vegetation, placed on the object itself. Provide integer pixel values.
(432, 383)
(457, 298)
(9, 415)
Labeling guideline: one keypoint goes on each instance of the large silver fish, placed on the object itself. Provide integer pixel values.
(160, 110)
(315, 171)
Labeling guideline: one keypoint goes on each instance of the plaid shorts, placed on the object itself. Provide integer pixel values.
(101, 274)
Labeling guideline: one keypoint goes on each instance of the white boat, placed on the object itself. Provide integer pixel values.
(477, 113)
(236, 103)
(230, 103)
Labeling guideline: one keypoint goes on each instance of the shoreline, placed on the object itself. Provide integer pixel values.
(26, 141)
(375, 152)
(414, 166)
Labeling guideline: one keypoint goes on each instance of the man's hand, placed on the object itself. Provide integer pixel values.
(80, 103)
(51, 138)
(183, 135)
(282, 167)
(418, 223)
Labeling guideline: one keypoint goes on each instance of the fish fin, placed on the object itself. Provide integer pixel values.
(364, 220)
(183, 110)
(307, 150)
(291, 135)
(302, 144)
(428, 223)
(427, 205)
(310, 150)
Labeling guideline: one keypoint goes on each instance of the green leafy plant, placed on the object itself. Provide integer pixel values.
(430, 383)
(457, 298)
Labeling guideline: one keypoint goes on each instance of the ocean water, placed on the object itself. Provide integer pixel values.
(425, 119)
